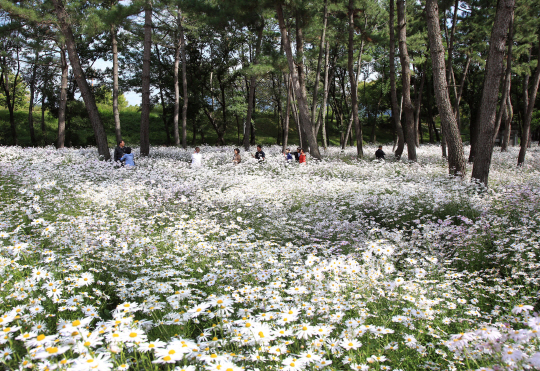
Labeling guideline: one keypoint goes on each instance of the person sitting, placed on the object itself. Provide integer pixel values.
(119, 152)
(297, 154)
(288, 156)
(302, 156)
(196, 157)
(127, 158)
(236, 158)
(379, 154)
(259, 155)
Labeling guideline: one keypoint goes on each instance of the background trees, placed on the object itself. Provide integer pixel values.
(296, 71)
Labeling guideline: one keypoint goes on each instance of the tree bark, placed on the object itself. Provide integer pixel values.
(319, 60)
(11, 94)
(287, 114)
(393, 90)
(176, 114)
(116, 110)
(507, 124)
(408, 108)
(162, 97)
(488, 105)
(358, 70)
(325, 96)
(300, 93)
(525, 136)
(417, 106)
(184, 87)
(460, 92)
(80, 78)
(252, 85)
(456, 158)
(63, 100)
(145, 105)
(354, 82)
(31, 102)
(507, 81)
(43, 126)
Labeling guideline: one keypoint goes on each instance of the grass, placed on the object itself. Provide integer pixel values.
(79, 132)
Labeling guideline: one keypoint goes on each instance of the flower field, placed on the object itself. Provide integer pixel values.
(336, 265)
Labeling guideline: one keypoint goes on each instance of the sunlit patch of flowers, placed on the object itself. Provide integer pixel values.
(340, 264)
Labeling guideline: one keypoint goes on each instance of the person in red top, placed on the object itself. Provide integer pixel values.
(302, 156)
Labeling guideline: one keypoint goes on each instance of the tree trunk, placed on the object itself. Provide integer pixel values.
(31, 102)
(507, 124)
(10, 94)
(287, 114)
(460, 93)
(358, 69)
(145, 105)
(525, 136)
(176, 114)
(319, 60)
(456, 158)
(63, 100)
(43, 126)
(354, 82)
(252, 85)
(161, 96)
(490, 94)
(180, 52)
(507, 81)
(80, 78)
(116, 110)
(185, 96)
(300, 93)
(393, 90)
(325, 96)
(408, 108)
(418, 105)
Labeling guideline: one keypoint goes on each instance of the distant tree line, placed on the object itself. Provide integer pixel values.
(466, 67)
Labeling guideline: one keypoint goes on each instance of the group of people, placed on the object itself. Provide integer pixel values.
(123, 155)
(260, 156)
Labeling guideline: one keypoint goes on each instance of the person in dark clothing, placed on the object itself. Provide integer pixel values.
(259, 155)
(297, 154)
(119, 151)
(379, 154)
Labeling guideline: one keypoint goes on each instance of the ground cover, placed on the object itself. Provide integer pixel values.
(338, 265)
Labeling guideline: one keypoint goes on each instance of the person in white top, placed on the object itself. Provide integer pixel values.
(196, 157)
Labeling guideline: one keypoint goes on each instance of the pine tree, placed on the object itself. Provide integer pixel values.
(488, 107)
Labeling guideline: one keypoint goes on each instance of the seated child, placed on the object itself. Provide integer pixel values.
(288, 156)
(128, 157)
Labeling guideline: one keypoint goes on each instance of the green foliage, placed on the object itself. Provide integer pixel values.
(18, 91)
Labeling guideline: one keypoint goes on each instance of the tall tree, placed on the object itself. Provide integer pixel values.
(180, 53)
(305, 123)
(253, 85)
(116, 110)
(408, 108)
(525, 136)
(63, 99)
(354, 81)
(79, 75)
(393, 90)
(490, 93)
(145, 106)
(456, 158)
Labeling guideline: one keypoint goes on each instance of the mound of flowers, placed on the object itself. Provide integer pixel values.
(340, 264)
